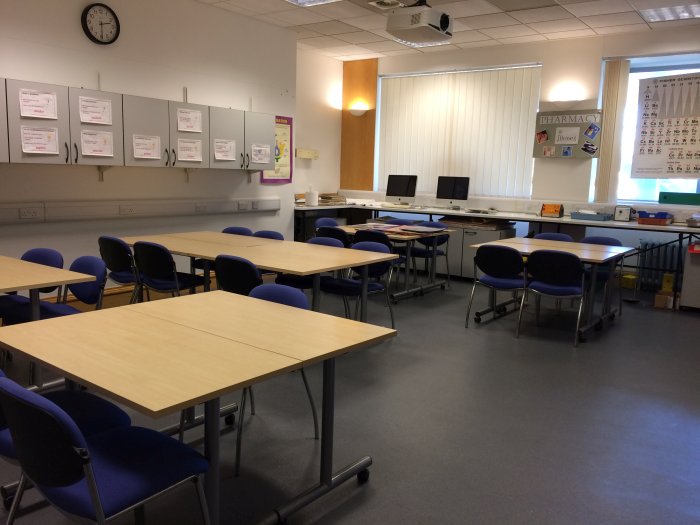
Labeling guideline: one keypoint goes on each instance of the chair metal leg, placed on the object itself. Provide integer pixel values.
(447, 266)
(239, 435)
(469, 305)
(578, 321)
(520, 313)
(388, 303)
(252, 401)
(311, 402)
(202, 500)
(18, 498)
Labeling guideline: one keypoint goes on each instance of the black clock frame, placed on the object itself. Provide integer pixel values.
(86, 29)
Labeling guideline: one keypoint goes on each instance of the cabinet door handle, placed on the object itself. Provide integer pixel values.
(167, 159)
(469, 233)
(247, 160)
(67, 152)
(242, 163)
(174, 157)
(75, 145)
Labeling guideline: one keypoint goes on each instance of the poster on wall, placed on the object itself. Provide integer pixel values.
(568, 134)
(283, 153)
(667, 138)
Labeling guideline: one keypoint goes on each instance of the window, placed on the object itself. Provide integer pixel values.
(476, 124)
(647, 189)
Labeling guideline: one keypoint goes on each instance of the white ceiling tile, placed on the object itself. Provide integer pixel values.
(360, 37)
(458, 26)
(344, 50)
(262, 6)
(543, 14)
(508, 31)
(368, 22)
(438, 49)
(522, 39)
(234, 9)
(365, 56)
(570, 34)
(599, 7)
(398, 52)
(332, 27)
(340, 10)
(674, 23)
(468, 36)
(295, 17)
(632, 28)
(483, 43)
(557, 26)
(322, 42)
(495, 20)
(514, 5)
(301, 32)
(208, 1)
(387, 45)
(382, 33)
(474, 8)
(616, 19)
(657, 4)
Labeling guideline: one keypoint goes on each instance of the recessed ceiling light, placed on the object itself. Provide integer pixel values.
(421, 44)
(309, 3)
(664, 14)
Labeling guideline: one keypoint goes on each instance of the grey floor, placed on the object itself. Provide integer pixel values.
(475, 426)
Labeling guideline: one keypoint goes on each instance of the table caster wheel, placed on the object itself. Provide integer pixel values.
(598, 325)
(442, 287)
(477, 320)
(230, 420)
(363, 477)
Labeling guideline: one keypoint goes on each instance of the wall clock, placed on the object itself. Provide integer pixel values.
(100, 23)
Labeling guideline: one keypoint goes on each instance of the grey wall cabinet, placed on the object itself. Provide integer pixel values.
(189, 135)
(259, 151)
(97, 135)
(146, 132)
(460, 252)
(38, 123)
(226, 138)
(4, 151)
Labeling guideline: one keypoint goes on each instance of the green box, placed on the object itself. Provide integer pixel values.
(670, 197)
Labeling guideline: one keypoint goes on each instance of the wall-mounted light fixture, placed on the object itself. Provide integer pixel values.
(358, 108)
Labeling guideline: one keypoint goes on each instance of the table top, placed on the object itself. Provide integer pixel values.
(395, 233)
(590, 253)
(163, 356)
(277, 256)
(16, 275)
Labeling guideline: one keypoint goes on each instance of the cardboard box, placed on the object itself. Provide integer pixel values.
(664, 300)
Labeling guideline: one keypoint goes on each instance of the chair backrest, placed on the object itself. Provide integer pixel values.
(269, 234)
(499, 261)
(282, 294)
(236, 274)
(50, 448)
(441, 239)
(90, 292)
(374, 270)
(555, 268)
(326, 241)
(47, 257)
(400, 222)
(238, 230)
(595, 239)
(154, 261)
(554, 236)
(116, 254)
(335, 233)
(373, 236)
(325, 221)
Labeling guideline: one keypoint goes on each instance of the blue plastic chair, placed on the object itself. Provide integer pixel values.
(424, 249)
(335, 233)
(281, 294)
(238, 230)
(603, 273)
(554, 236)
(353, 287)
(325, 221)
(502, 269)
(96, 477)
(555, 274)
(235, 274)
(382, 238)
(269, 234)
(119, 259)
(157, 269)
(91, 413)
(305, 282)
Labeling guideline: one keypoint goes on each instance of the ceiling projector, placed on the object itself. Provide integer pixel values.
(419, 24)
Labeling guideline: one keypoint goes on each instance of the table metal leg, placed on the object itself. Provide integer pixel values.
(206, 264)
(316, 293)
(35, 373)
(212, 483)
(363, 293)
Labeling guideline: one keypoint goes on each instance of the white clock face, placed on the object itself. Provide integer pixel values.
(101, 24)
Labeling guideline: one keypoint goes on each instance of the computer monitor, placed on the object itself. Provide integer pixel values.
(452, 191)
(401, 189)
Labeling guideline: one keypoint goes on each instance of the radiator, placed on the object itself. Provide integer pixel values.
(655, 259)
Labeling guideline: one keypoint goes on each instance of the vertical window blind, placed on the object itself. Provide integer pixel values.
(477, 124)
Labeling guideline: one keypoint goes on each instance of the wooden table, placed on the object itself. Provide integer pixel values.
(163, 356)
(403, 234)
(296, 258)
(593, 254)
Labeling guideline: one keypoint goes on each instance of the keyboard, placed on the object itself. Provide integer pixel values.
(394, 205)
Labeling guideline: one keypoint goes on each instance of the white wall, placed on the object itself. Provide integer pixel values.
(577, 60)
(223, 59)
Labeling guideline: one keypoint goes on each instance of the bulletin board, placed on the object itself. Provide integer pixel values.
(568, 134)
(283, 153)
(667, 138)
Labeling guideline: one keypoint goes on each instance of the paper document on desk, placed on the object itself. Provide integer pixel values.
(421, 229)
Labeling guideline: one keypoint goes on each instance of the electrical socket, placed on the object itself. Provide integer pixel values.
(29, 213)
(126, 210)
(243, 205)
(201, 208)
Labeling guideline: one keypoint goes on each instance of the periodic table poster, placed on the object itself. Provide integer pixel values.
(667, 140)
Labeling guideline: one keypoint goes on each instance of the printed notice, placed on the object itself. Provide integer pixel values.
(260, 153)
(567, 135)
(224, 149)
(39, 140)
(146, 146)
(95, 110)
(189, 150)
(189, 120)
(38, 104)
(97, 143)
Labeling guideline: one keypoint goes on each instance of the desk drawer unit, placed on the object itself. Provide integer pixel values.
(461, 255)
